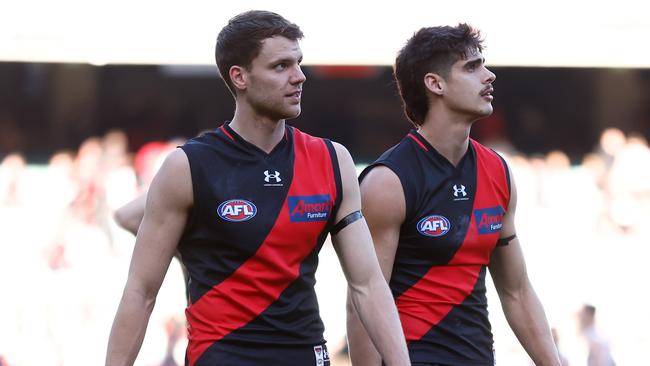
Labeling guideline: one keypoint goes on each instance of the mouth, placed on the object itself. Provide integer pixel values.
(295, 94)
(487, 92)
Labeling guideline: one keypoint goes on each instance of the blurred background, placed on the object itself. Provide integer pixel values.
(94, 94)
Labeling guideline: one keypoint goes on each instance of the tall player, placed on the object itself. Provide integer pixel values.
(441, 209)
(248, 207)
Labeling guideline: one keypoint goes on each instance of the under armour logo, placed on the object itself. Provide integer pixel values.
(460, 190)
(268, 176)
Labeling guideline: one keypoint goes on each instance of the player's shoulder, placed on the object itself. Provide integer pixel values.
(341, 150)
(173, 180)
(381, 177)
(346, 163)
(175, 168)
(395, 162)
(176, 159)
(382, 195)
(403, 151)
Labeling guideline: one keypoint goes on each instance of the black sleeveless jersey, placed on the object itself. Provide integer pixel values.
(453, 221)
(252, 239)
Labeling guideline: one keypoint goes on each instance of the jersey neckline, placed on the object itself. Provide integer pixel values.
(234, 136)
(429, 149)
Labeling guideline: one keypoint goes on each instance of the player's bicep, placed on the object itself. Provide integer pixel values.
(353, 246)
(383, 204)
(168, 201)
(508, 229)
(507, 265)
(352, 240)
(351, 200)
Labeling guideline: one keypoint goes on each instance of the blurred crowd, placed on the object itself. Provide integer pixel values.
(584, 229)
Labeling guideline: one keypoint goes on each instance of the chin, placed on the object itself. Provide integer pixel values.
(292, 113)
(481, 115)
(486, 111)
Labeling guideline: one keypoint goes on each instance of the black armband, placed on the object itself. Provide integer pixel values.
(347, 220)
(505, 241)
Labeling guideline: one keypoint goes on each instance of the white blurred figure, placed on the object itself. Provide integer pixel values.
(526, 172)
(629, 184)
(598, 352)
(120, 186)
(12, 172)
(612, 140)
(556, 186)
(23, 315)
(588, 202)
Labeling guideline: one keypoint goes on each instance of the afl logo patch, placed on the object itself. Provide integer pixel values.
(237, 210)
(434, 225)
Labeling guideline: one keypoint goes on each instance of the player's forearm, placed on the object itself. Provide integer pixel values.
(130, 215)
(377, 312)
(127, 220)
(128, 329)
(526, 317)
(362, 351)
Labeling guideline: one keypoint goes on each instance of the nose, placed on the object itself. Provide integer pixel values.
(490, 76)
(298, 77)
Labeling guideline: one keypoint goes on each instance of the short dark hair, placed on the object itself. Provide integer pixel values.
(432, 49)
(240, 41)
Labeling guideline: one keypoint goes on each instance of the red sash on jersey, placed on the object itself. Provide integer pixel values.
(260, 281)
(442, 288)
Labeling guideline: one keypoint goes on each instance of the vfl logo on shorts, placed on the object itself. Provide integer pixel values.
(322, 356)
(237, 210)
(434, 225)
(489, 220)
(309, 208)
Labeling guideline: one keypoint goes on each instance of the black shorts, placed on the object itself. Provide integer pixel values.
(237, 354)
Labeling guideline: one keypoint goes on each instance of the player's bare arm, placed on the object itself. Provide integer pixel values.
(520, 303)
(367, 287)
(130, 215)
(168, 202)
(384, 207)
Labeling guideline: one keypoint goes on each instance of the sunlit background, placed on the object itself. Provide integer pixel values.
(93, 93)
(578, 33)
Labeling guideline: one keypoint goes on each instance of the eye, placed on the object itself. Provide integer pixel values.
(281, 66)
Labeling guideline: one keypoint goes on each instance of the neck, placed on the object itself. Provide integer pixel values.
(449, 136)
(263, 132)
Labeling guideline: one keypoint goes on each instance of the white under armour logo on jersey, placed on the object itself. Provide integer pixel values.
(460, 190)
(275, 176)
(459, 193)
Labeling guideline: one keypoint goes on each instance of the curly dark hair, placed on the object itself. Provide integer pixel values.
(432, 49)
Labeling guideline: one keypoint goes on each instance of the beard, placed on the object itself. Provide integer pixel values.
(276, 110)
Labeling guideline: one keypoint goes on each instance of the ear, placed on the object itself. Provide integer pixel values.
(238, 77)
(434, 83)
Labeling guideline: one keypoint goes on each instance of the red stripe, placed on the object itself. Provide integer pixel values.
(418, 141)
(260, 281)
(427, 302)
(226, 132)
